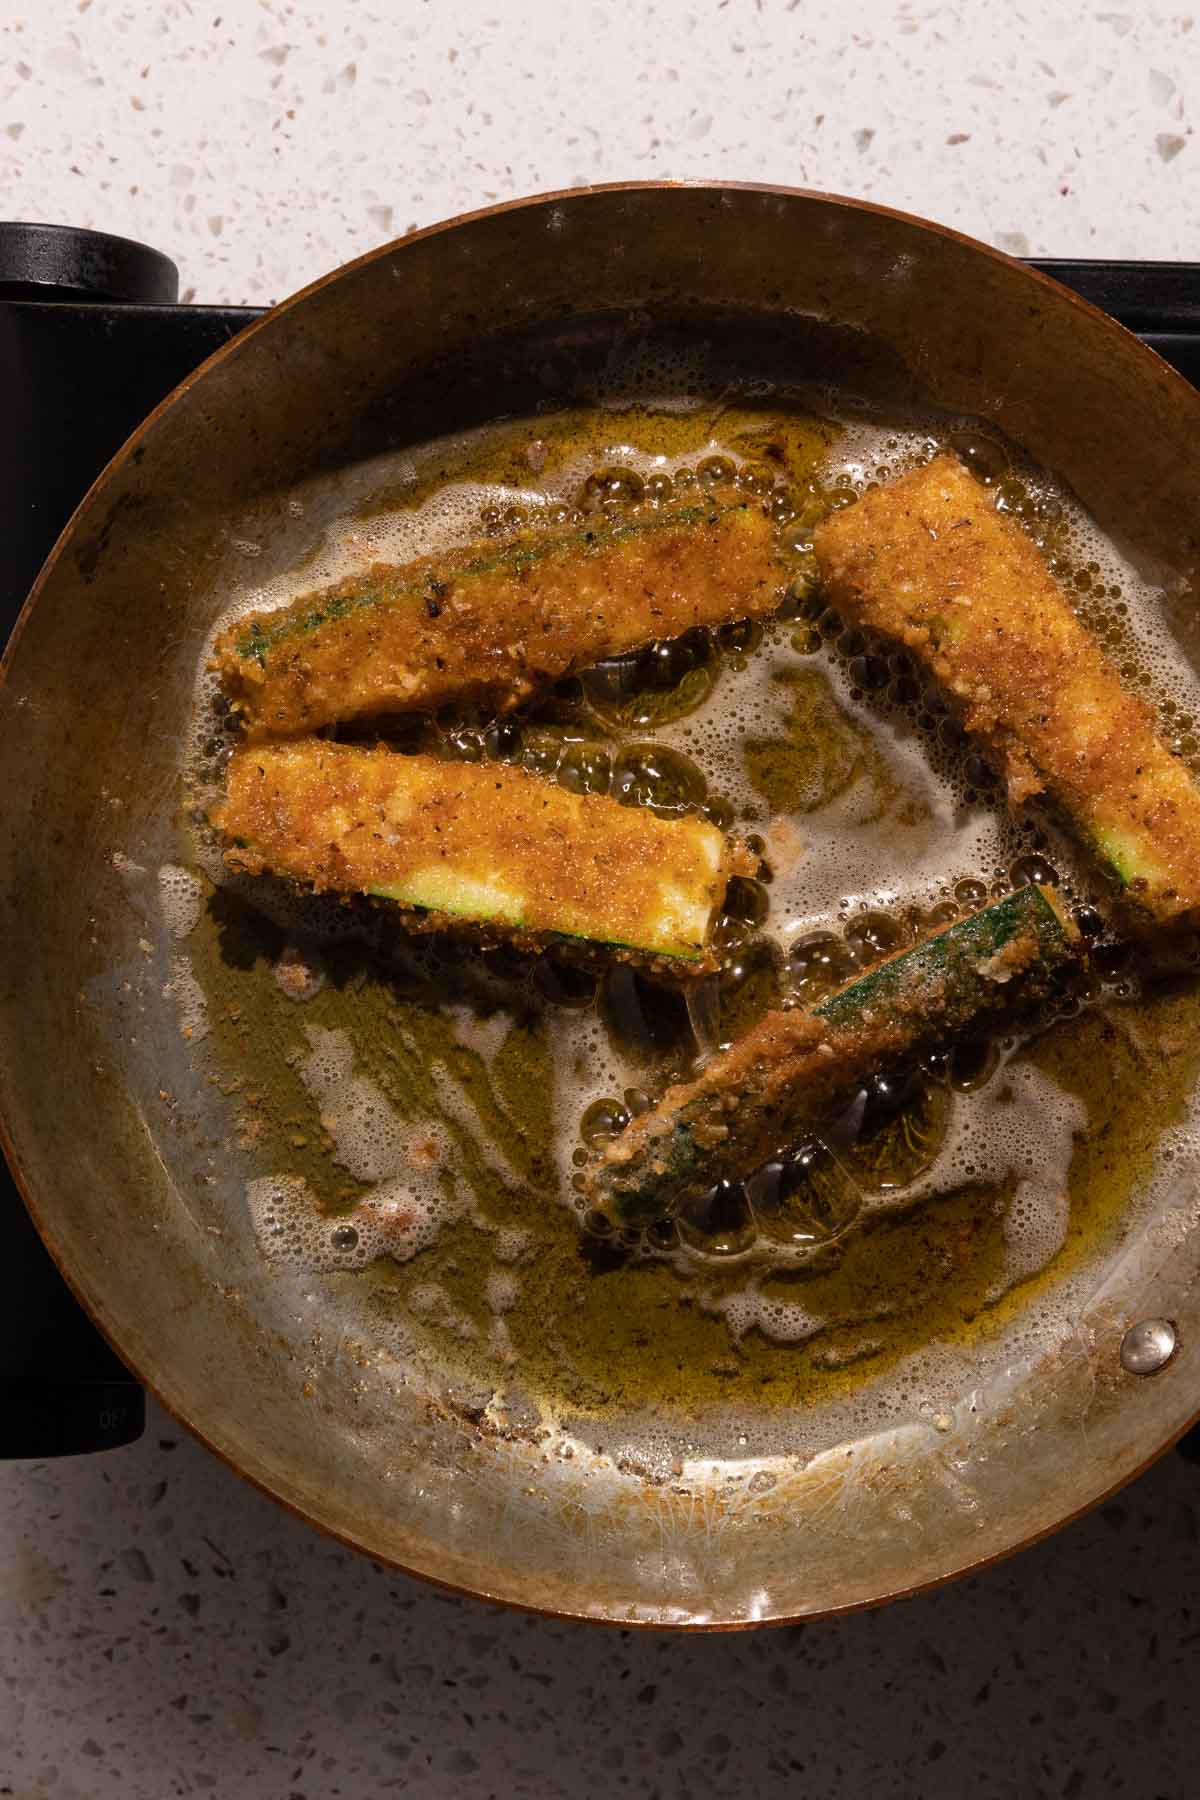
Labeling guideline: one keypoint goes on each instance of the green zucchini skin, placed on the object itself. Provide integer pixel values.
(259, 638)
(930, 562)
(479, 847)
(495, 624)
(954, 968)
(796, 1069)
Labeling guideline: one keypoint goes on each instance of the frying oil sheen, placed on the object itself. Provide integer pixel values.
(421, 1146)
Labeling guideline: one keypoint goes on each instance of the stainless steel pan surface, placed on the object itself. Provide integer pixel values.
(122, 1131)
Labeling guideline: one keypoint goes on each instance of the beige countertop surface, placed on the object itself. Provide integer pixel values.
(166, 1631)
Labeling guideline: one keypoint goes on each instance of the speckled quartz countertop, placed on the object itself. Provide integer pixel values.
(164, 1630)
(261, 144)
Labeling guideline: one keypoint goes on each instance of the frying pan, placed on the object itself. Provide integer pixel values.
(124, 1148)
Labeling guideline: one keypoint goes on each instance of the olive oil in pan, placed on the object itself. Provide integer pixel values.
(413, 1119)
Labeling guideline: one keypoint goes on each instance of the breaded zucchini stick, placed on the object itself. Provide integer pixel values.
(496, 622)
(796, 1070)
(929, 562)
(478, 843)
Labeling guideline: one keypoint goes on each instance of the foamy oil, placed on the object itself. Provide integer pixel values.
(414, 1115)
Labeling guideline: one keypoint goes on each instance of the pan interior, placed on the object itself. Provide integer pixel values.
(409, 1116)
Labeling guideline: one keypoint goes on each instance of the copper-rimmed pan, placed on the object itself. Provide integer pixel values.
(142, 1204)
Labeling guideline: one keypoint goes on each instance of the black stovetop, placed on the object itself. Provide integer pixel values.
(91, 338)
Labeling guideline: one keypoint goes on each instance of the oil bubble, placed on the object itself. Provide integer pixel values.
(1089, 921)
(647, 1021)
(871, 936)
(563, 984)
(741, 637)
(654, 686)
(718, 1223)
(716, 471)
(652, 775)
(894, 1130)
(1033, 868)
(503, 740)
(869, 673)
(604, 1119)
(804, 1201)
(749, 986)
(612, 487)
(585, 768)
(819, 962)
(987, 460)
(718, 812)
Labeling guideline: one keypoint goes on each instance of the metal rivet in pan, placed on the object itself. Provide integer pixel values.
(1148, 1347)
